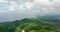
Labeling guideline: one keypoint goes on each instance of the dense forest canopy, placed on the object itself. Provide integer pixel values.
(42, 24)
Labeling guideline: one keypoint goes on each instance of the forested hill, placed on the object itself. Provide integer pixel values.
(30, 25)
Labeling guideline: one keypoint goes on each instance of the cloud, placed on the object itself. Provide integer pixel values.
(28, 5)
(4, 1)
(12, 9)
(25, 6)
(18, 9)
(12, 2)
(44, 6)
(40, 6)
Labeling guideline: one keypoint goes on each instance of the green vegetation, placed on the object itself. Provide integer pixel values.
(30, 25)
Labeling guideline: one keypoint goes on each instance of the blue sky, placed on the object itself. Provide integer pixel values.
(18, 9)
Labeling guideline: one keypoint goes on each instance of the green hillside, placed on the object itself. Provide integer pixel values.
(30, 25)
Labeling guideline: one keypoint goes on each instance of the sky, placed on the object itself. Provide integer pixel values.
(19, 9)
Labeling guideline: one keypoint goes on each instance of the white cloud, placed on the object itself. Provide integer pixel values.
(24, 6)
(28, 5)
(12, 9)
(56, 1)
(38, 1)
(27, 8)
(12, 2)
(4, 1)
(19, 5)
(41, 1)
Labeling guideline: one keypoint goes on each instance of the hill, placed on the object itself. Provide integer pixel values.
(30, 25)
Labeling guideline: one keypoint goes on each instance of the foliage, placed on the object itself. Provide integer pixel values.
(30, 25)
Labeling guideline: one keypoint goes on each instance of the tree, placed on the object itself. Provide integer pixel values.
(3, 28)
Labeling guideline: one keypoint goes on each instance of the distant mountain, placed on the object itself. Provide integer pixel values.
(51, 18)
